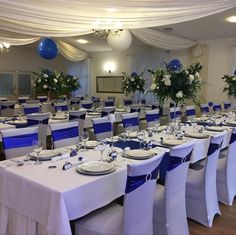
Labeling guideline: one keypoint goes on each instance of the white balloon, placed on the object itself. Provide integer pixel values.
(121, 41)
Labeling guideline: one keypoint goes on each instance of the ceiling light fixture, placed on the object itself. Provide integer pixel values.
(231, 19)
(4, 46)
(102, 29)
(82, 41)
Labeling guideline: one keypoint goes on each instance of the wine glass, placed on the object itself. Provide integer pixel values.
(84, 138)
(204, 113)
(128, 129)
(101, 147)
(37, 147)
(194, 124)
(140, 138)
(156, 124)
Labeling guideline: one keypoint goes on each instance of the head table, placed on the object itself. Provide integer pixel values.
(42, 200)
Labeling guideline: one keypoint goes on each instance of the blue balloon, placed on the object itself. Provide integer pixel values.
(174, 65)
(47, 49)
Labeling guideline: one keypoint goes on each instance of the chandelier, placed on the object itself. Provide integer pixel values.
(4, 46)
(103, 29)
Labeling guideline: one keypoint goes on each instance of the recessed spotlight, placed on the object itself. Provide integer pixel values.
(231, 19)
(111, 9)
(82, 41)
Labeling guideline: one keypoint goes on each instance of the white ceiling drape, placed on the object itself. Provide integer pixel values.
(162, 40)
(25, 21)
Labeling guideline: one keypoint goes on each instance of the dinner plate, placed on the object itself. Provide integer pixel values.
(60, 117)
(120, 110)
(138, 154)
(90, 144)
(173, 142)
(197, 135)
(231, 123)
(94, 113)
(95, 168)
(44, 155)
(215, 128)
(133, 134)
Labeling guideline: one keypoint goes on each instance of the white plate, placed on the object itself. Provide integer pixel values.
(231, 123)
(215, 128)
(94, 113)
(44, 155)
(138, 154)
(60, 117)
(90, 144)
(173, 142)
(120, 110)
(133, 134)
(197, 135)
(95, 168)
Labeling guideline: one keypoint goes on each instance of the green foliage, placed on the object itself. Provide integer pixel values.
(230, 87)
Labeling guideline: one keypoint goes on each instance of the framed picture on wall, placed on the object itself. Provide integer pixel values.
(109, 84)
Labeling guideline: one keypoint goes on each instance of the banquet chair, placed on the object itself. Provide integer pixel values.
(152, 116)
(18, 142)
(74, 102)
(131, 119)
(142, 101)
(64, 134)
(30, 101)
(169, 211)
(42, 98)
(111, 98)
(155, 106)
(135, 216)
(7, 108)
(174, 113)
(201, 193)
(107, 110)
(60, 106)
(190, 112)
(226, 172)
(227, 105)
(86, 104)
(109, 103)
(22, 99)
(135, 108)
(127, 102)
(204, 109)
(216, 107)
(78, 115)
(31, 108)
(40, 120)
(102, 128)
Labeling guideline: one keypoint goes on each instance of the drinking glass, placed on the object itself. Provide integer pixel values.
(156, 124)
(128, 130)
(84, 138)
(140, 138)
(37, 147)
(101, 147)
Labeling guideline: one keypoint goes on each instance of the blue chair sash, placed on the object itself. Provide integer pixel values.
(232, 138)
(102, 127)
(73, 117)
(133, 121)
(41, 100)
(134, 182)
(169, 163)
(205, 109)
(74, 102)
(109, 103)
(152, 117)
(22, 101)
(127, 102)
(31, 110)
(216, 107)
(227, 105)
(87, 106)
(62, 107)
(154, 106)
(190, 112)
(12, 106)
(19, 141)
(32, 122)
(133, 110)
(212, 148)
(210, 103)
(66, 133)
(175, 114)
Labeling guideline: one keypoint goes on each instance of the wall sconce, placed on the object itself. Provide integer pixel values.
(109, 67)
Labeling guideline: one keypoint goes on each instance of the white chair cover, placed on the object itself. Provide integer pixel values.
(216, 107)
(29, 101)
(131, 118)
(31, 108)
(152, 116)
(127, 102)
(190, 112)
(40, 120)
(86, 104)
(204, 108)
(64, 134)
(74, 102)
(42, 98)
(109, 103)
(227, 105)
(107, 110)
(18, 142)
(226, 173)
(7, 108)
(169, 215)
(135, 217)
(22, 99)
(174, 113)
(78, 115)
(102, 128)
(201, 193)
(62, 106)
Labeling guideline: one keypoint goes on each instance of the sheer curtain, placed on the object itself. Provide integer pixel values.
(82, 70)
(141, 63)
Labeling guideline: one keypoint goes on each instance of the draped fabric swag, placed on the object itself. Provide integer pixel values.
(25, 21)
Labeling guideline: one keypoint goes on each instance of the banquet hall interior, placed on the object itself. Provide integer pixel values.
(118, 117)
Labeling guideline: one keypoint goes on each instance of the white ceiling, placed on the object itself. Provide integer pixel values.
(211, 27)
